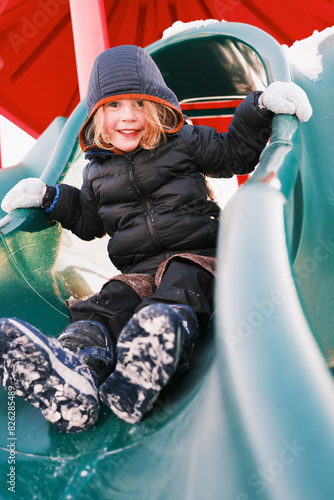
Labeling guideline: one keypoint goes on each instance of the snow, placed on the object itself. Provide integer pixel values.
(179, 27)
(305, 54)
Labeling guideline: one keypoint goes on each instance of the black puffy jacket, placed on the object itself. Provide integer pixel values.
(156, 203)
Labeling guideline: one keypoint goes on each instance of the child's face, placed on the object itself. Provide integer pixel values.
(125, 124)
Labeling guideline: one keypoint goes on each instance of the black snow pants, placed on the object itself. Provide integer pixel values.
(182, 281)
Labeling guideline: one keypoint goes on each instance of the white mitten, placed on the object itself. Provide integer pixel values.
(286, 98)
(25, 194)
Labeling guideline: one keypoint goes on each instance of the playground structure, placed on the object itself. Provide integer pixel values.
(254, 415)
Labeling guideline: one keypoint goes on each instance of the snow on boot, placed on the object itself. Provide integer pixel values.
(48, 375)
(148, 351)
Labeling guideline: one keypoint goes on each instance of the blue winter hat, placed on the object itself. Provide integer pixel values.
(126, 72)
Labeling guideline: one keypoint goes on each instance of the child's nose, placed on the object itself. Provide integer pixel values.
(128, 113)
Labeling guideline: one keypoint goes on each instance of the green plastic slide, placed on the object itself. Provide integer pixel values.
(254, 416)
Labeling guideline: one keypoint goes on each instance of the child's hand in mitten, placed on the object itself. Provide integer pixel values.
(25, 194)
(286, 98)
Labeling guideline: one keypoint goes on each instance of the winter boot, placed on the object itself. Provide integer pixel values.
(60, 377)
(149, 349)
(92, 342)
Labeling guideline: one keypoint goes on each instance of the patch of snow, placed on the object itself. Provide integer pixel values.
(305, 56)
(180, 26)
(222, 189)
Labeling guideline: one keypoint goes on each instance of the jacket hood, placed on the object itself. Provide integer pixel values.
(126, 72)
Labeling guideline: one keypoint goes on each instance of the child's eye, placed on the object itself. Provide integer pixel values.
(112, 104)
(140, 103)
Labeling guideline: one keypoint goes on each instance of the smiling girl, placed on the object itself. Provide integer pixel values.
(145, 187)
(124, 124)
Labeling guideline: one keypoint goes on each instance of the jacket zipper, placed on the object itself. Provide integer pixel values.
(149, 209)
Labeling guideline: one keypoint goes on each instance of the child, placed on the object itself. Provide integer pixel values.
(144, 186)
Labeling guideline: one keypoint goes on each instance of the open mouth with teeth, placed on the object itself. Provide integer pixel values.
(128, 132)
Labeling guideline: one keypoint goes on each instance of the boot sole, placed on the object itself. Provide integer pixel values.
(135, 385)
(66, 396)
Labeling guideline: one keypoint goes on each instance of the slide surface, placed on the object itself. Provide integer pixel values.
(253, 418)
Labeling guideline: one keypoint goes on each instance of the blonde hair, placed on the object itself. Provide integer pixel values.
(160, 120)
